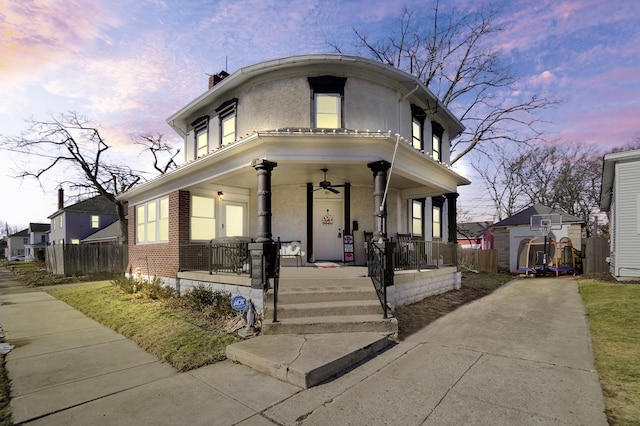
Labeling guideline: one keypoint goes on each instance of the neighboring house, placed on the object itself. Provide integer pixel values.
(256, 144)
(475, 235)
(108, 235)
(70, 224)
(508, 233)
(37, 241)
(16, 243)
(620, 198)
(3, 248)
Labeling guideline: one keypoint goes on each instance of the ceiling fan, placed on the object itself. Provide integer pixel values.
(325, 184)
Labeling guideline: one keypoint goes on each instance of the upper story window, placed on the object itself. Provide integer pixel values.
(95, 221)
(61, 221)
(25, 240)
(327, 93)
(436, 140)
(417, 127)
(227, 115)
(152, 221)
(201, 131)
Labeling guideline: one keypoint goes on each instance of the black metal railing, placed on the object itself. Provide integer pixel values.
(224, 255)
(412, 254)
(276, 281)
(376, 264)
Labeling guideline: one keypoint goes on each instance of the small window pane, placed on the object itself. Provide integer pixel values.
(436, 147)
(95, 221)
(202, 142)
(203, 228)
(228, 129)
(437, 222)
(327, 109)
(202, 207)
(416, 131)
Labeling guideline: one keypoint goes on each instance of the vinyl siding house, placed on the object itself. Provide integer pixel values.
(71, 224)
(16, 243)
(300, 149)
(508, 233)
(620, 198)
(37, 242)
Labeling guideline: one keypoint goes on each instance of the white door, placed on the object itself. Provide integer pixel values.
(233, 221)
(327, 229)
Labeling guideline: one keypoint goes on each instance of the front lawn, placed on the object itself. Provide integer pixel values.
(184, 338)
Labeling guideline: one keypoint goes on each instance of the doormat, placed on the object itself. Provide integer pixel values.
(326, 265)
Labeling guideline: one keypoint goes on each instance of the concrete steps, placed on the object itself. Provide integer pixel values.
(312, 306)
(325, 326)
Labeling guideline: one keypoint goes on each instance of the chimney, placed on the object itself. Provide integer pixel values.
(60, 198)
(217, 78)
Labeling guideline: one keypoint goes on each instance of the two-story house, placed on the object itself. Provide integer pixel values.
(16, 243)
(71, 224)
(309, 149)
(38, 240)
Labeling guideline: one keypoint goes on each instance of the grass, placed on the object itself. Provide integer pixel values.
(613, 312)
(164, 328)
(5, 395)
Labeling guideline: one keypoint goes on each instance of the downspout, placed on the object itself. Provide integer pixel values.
(395, 149)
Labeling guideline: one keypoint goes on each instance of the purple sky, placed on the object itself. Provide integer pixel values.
(128, 65)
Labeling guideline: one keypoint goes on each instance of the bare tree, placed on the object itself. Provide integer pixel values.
(72, 143)
(451, 54)
(163, 153)
(566, 176)
(502, 182)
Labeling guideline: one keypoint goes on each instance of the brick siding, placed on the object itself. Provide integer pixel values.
(161, 259)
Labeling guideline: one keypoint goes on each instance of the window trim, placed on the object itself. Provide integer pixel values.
(160, 221)
(418, 116)
(200, 128)
(421, 202)
(437, 203)
(437, 131)
(226, 111)
(327, 85)
(213, 218)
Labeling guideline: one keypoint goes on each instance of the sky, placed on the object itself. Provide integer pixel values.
(130, 64)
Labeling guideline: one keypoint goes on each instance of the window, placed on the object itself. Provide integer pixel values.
(201, 132)
(25, 240)
(75, 241)
(227, 114)
(436, 141)
(95, 221)
(43, 238)
(203, 218)
(417, 220)
(61, 222)
(327, 108)
(417, 127)
(327, 93)
(437, 203)
(152, 221)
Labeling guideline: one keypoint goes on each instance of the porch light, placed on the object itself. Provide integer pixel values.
(220, 195)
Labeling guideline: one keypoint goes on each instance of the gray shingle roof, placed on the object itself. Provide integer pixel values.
(523, 217)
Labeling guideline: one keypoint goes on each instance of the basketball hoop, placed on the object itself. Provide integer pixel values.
(545, 227)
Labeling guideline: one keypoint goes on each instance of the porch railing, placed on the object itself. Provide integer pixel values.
(225, 255)
(412, 254)
(376, 261)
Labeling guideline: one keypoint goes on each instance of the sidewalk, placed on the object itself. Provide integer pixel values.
(519, 356)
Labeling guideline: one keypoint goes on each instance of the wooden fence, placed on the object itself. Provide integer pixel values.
(478, 260)
(594, 254)
(84, 259)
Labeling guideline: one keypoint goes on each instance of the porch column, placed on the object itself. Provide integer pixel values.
(451, 216)
(263, 252)
(264, 168)
(379, 169)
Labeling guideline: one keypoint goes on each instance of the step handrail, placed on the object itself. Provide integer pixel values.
(376, 261)
(276, 282)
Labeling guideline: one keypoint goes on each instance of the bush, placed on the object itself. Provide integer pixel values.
(213, 303)
(153, 290)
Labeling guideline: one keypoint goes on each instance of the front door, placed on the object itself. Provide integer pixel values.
(327, 229)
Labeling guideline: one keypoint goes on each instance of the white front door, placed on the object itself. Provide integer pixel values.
(233, 221)
(327, 229)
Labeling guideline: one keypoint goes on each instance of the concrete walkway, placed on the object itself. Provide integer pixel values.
(519, 356)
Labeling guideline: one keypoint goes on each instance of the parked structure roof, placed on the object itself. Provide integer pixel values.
(523, 217)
